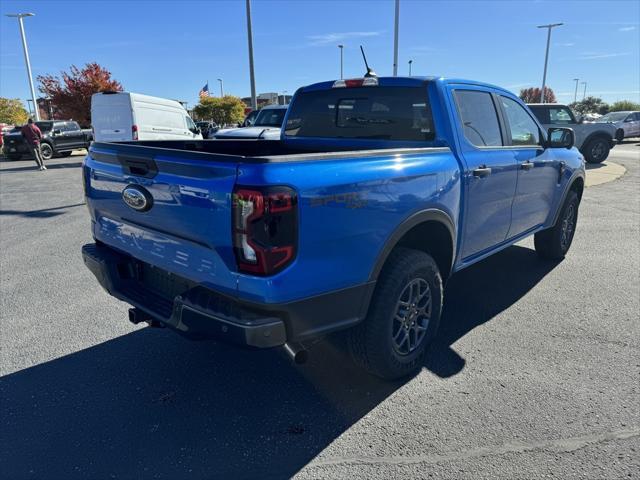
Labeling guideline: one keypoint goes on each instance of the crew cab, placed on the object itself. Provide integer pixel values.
(594, 140)
(59, 137)
(379, 190)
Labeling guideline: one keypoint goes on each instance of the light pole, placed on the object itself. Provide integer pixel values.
(341, 47)
(575, 94)
(584, 92)
(395, 39)
(254, 101)
(410, 62)
(546, 56)
(20, 16)
(221, 88)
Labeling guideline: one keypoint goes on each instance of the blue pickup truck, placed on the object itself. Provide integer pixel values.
(379, 190)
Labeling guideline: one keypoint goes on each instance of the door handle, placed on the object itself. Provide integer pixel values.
(526, 165)
(482, 171)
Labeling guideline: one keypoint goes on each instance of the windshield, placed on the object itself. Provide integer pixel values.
(612, 117)
(270, 117)
(383, 113)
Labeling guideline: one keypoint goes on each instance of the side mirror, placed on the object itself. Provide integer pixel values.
(561, 138)
(57, 132)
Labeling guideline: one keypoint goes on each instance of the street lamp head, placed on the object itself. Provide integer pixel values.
(20, 15)
(340, 46)
(410, 61)
(551, 25)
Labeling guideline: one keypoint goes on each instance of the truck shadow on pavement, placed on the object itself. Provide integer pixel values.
(42, 213)
(150, 404)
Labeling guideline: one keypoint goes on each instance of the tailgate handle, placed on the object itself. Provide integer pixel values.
(139, 166)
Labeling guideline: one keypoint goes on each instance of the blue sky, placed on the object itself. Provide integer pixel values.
(171, 48)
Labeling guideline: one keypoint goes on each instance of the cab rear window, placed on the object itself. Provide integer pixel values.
(374, 113)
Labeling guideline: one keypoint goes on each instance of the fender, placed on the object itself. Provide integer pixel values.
(597, 133)
(577, 174)
(417, 218)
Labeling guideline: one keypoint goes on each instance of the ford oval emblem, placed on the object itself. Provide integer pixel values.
(137, 197)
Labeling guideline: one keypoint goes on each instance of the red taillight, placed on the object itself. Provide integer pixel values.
(134, 132)
(265, 228)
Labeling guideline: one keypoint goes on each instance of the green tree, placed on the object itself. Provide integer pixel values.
(624, 105)
(532, 95)
(12, 111)
(590, 105)
(71, 95)
(222, 110)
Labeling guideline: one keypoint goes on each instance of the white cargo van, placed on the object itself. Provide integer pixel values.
(122, 116)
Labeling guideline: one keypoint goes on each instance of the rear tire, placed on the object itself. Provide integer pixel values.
(46, 151)
(403, 317)
(554, 243)
(597, 150)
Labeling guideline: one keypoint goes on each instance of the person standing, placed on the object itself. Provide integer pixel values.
(32, 136)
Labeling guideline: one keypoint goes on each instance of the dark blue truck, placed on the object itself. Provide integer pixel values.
(378, 191)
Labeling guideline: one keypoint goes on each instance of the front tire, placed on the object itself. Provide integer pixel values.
(597, 150)
(554, 243)
(403, 317)
(46, 151)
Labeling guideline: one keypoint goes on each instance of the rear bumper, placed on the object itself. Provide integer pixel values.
(196, 311)
(15, 148)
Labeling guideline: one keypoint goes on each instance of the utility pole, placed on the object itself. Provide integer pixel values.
(584, 92)
(575, 94)
(410, 62)
(341, 47)
(221, 88)
(546, 56)
(395, 40)
(254, 102)
(20, 16)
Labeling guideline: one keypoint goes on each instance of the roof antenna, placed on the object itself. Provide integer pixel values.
(370, 72)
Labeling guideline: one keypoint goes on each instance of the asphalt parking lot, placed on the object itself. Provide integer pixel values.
(535, 373)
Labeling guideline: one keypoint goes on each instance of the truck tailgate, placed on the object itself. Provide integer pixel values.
(187, 229)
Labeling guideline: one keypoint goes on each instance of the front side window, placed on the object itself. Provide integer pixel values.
(371, 113)
(479, 118)
(560, 116)
(524, 131)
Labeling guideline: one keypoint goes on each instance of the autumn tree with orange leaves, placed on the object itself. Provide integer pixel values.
(71, 94)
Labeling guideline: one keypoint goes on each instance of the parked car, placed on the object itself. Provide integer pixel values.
(593, 140)
(267, 125)
(207, 129)
(627, 124)
(122, 116)
(379, 191)
(59, 137)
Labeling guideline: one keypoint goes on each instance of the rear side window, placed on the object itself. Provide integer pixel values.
(541, 113)
(524, 131)
(479, 118)
(372, 113)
